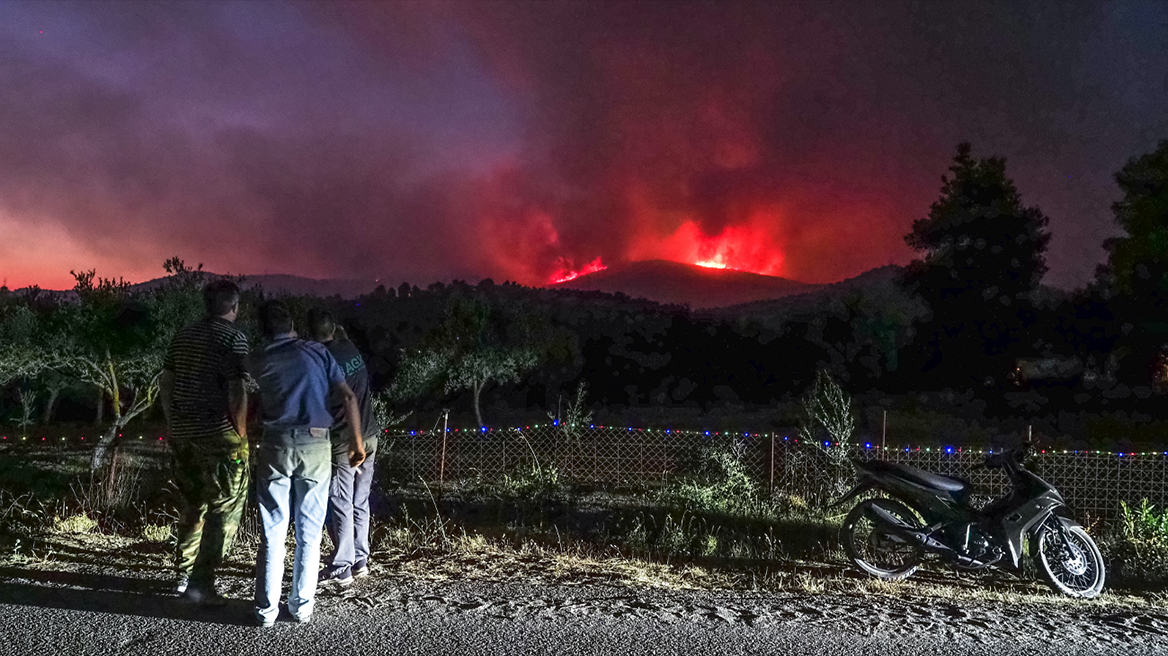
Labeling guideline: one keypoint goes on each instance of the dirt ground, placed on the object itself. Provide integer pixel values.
(90, 593)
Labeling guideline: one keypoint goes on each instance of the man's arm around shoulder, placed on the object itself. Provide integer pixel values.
(353, 416)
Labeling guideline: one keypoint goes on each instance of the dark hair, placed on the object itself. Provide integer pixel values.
(219, 296)
(275, 319)
(321, 324)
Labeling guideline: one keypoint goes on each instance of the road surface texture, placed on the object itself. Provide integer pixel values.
(77, 613)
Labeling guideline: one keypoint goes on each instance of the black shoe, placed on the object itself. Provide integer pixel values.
(207, 597)
(360, 568)
(337, 575)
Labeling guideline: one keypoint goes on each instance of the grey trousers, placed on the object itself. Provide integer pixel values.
(348, 521)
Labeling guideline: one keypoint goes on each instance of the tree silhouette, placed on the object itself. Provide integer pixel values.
(475, 345)
(1134, 280)
(111, 337)
(982, 253)
(1137, 262)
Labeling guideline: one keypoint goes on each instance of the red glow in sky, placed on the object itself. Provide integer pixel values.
(526, 141)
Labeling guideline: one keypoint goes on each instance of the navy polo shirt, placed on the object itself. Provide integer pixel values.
(295, 377)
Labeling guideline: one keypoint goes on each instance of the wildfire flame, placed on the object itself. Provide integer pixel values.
(748, 247)
(565, 273)
(711, 264)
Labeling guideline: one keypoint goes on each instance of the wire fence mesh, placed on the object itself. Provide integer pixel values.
(1092, 482)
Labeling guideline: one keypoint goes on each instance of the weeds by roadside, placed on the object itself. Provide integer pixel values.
(714, 529)
(1137, 545)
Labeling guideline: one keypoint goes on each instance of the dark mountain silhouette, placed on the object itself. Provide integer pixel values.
(273, 284)
(281, 283)
(881, 281)
(721, 291)
(686, 284)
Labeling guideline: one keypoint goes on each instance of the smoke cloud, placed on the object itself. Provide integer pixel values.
(521, 141)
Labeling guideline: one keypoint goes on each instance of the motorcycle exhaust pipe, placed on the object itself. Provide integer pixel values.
(921, 537)
(908, 533)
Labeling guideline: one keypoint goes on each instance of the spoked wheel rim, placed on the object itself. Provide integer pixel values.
(876, 549)
(1071, 562)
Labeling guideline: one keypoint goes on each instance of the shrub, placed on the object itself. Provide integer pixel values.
(530, 482)
(827, 412)
(828, 408)
(156, 533)
(723, 486)
(1138, 544)
(79, 523)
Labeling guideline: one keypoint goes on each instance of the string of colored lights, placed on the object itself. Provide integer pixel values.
(674, 431)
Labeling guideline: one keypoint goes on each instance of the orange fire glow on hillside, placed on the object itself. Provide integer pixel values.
(752, 245)
(566, 273)
(748, 247)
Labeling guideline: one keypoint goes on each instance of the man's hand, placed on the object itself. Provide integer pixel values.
(356, 455)
(237, 406)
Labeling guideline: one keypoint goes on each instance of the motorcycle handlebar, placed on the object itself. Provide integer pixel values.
(1016, 455)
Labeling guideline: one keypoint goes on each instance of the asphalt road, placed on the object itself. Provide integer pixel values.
(102, 615)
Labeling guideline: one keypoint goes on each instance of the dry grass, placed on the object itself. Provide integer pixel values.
(439, 554)
(672, 551)
(157, 533)
(77, 523)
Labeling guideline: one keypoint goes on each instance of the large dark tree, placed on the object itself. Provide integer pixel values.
(982, 253)
(1134, 280)
(978, 239)
(1137, 262)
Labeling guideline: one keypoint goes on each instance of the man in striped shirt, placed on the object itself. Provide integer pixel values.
(205, 402)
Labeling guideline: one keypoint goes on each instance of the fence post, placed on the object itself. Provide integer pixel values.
(617, 458)
(641, 460)
(414, 455)
(772, 463)
(442, 460)
(595, 460)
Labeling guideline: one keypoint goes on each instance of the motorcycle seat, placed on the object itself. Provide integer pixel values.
(920, 476)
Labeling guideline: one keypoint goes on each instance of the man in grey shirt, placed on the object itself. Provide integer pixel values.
(348, 519)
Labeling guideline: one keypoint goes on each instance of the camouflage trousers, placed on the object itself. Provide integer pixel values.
(211, 475)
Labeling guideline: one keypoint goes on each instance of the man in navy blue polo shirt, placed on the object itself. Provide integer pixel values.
(294, 459)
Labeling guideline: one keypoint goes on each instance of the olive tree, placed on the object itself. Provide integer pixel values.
(476, 344)
(112, 337)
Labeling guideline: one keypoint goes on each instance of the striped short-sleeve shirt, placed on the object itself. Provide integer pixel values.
(204, 357)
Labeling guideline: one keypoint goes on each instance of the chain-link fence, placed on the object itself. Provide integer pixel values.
(1092, 482)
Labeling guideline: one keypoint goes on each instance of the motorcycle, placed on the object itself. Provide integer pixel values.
(922, 513)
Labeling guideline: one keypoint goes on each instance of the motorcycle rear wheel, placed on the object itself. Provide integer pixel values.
(1072, 566)
(876, 549)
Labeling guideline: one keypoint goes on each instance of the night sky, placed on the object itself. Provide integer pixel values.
(520, 141)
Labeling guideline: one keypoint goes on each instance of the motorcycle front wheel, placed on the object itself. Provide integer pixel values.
(1069, 561)
(874, 548)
